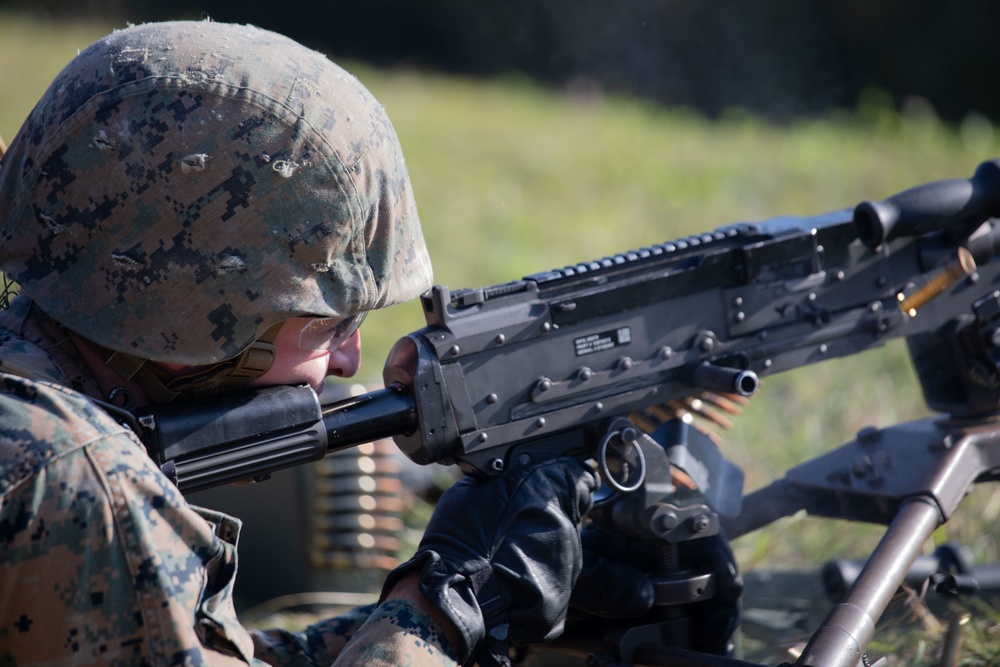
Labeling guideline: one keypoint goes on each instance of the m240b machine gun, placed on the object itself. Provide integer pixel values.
(554, 364)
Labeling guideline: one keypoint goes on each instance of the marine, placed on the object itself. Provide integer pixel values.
(194, 208)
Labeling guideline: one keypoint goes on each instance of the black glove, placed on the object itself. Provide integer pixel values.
(500, 556)
(612, 583)
(716, 618)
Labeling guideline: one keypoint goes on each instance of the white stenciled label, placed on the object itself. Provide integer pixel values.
(605, 340)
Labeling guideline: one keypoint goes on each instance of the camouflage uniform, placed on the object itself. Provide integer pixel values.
(101, 559)
(178, 190)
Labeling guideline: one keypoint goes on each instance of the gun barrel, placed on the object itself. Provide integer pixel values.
(372, 416)
(725, 380)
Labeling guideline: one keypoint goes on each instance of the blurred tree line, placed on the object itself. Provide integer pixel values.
(775, 58)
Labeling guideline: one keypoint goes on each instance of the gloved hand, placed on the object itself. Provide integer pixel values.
(716, 618)
(500, 556)
(613, 583)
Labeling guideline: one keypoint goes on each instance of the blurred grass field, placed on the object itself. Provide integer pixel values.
(512, 179)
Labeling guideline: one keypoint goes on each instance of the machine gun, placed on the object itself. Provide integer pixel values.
(554, 364)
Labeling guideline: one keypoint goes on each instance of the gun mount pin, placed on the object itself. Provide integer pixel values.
(620, 459)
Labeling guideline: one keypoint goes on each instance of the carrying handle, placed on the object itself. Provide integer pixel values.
(957, 205)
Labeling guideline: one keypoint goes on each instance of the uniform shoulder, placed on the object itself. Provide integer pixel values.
(41, 420)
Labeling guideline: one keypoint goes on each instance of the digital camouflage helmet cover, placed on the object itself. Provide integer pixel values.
(181, 187)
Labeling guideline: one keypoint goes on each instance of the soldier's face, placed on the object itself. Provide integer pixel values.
(294, 365)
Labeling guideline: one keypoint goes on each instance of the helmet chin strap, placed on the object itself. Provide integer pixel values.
(218, 378)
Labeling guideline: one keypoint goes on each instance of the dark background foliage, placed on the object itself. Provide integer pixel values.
(775, 58)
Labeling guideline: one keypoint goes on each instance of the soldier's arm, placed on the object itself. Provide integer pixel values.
(403, 630)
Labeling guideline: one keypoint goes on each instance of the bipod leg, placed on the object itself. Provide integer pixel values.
(844, 635)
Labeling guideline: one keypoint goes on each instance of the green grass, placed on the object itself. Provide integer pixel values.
(512, 179)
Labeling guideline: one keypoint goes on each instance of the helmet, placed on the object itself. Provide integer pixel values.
(183, 187)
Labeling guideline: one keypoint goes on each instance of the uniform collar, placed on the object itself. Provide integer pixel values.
(35, 346)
